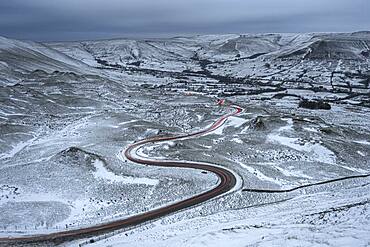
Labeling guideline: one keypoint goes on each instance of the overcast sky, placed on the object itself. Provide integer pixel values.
(96, 19)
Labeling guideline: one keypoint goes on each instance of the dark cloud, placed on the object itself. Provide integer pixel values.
(89, 19)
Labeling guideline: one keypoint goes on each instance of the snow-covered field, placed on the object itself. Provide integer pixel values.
(327, 218)
(67, 110)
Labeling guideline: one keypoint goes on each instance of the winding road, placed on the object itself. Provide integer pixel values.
(227, 182)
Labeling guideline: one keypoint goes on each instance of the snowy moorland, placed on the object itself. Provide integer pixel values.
(69, 109)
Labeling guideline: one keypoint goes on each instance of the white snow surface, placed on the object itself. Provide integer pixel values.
(316, 150)
(323, 219)
(103, 173)
(232, 121)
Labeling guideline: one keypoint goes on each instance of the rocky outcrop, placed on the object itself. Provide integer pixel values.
(257, 124)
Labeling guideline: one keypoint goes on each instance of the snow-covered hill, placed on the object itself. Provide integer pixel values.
(67, 109)
(19, 57)
(220, 47)
(249, 55)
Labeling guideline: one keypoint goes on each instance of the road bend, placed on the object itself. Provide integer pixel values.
(227, 182)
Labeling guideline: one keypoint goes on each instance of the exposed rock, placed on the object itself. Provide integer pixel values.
(257, 124)
(365, 53)
(136, 63)
(78, 156)
(38, 73)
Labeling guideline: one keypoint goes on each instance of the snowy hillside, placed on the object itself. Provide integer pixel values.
(292, 137)
(19, 57)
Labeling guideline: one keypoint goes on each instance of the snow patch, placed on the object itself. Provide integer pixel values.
(237, 140)
(362, 142)
(361, 153)
(103, 173)
(258, 174)
(291, 173)
(232, 121)
(17, 148)
(316, 150)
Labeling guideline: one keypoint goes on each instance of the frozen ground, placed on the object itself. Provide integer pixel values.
(67, 110)
(327, 218)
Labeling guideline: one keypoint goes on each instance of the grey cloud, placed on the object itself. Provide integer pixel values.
(89, 19)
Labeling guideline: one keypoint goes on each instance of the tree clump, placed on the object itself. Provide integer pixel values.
(314, 104)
